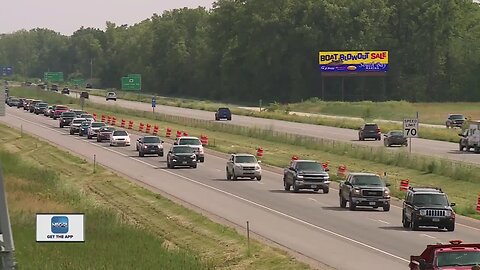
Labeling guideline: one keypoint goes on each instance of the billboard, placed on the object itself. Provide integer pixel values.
(60, 227)
(353, 61)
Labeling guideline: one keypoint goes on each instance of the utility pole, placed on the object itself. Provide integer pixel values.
(91, 69)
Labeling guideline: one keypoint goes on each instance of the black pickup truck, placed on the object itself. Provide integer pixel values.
(364, 189)
(66, 118)
(306, 174)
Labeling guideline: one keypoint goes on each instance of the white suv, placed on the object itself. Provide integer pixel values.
(195, 143)
(243, 165)
(112, 96)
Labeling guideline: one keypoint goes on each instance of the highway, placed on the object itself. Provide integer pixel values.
(311, 224)
(420, 146)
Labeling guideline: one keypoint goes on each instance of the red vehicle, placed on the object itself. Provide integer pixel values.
(59, 109)
(453, 256)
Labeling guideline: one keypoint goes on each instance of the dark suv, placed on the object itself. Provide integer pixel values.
(369, 130)
(454, 120)
(427, 207)
(66, 118)
(223, 113)
(364, 189)
(306, 174)
(181, 155)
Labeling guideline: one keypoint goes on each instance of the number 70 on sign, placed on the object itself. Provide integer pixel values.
(410, 128)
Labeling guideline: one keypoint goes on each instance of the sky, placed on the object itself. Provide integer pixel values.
(67, 16)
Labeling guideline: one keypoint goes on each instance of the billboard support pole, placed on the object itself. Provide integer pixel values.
(7, 246)
(343, 88)
(323, 89)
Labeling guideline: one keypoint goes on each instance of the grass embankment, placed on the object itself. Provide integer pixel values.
(460, 181)
(127, 227)
(434, 113)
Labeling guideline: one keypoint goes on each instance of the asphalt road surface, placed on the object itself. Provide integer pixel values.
(309, 223)
(420, 146)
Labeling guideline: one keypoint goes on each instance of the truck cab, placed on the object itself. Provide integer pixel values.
(452, 256)
(306, 174)
(471, 137)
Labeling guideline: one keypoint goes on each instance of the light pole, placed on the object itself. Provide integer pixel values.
(91, 69)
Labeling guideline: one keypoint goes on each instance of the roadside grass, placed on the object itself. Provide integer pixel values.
(127, 226)
(434, 113)
(110, 242)
(459, 180)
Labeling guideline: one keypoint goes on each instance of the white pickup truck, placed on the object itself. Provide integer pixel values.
(471, 137)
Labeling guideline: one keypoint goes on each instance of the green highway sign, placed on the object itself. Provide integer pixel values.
(79, 82)
(132, 82)
(53, 76)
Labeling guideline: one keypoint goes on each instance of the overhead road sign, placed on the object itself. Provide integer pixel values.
(53, 76)
(133, 82)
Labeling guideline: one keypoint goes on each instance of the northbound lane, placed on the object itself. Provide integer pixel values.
(419, 146)
(309, 223)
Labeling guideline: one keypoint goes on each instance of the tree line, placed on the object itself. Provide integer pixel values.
(246, 50)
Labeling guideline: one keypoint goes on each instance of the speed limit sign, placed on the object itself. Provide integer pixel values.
(410, 128)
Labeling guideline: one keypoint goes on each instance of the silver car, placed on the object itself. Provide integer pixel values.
(243, 165)
(94, 129)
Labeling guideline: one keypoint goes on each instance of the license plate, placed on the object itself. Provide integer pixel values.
(184, 162)
(313, 186)
(435, 219)
(372, 203)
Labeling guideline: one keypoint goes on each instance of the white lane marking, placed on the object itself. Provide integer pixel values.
(429, 236)
(218, 170)
(259, 182)
(383, 221)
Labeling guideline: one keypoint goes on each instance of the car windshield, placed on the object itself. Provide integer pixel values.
(182, 150)
(224, 110)
(68, 114)
(190, 142)
(61, 108)
(396, 133)
(456, 116)
(111, 94)
(78, 121)
(87, 116)
(107, 129)
(120, 133)
(98, 124)
(151, 140)
(42, 105)
(245, 159)
(309, 166)
(85, 123)
(367, 180)
(458, 258)
(430, 199)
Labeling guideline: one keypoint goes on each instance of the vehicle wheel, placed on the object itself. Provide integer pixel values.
(286, 186)
(326, 190)
(229, 176)
(405, 144)
(405, 222)
(343, 202)
(259, 178)
(136, 148)
(194, 166)
(451, 228)
(89, 136)
(216, 119)
(202, 159)
(316, 189)
(160, 155)
(386, 208)
(295, 187)
(61, 126)
(234, 176)
(229, 118)
(351, 205)
(71, 132)
(251, 178)
(141, 154)
(460, 147)
(99, 140)
(54, 118)
(413, 224)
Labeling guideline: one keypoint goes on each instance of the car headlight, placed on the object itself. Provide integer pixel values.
(423, 212)
(145, 146)
(300, 176)
(193, 156)
(356, 191)
(174, 159)
(386, 193)
(200, 150)
(448, 213)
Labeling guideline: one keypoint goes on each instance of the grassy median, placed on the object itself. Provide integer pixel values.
(127, 227)
(459, 180)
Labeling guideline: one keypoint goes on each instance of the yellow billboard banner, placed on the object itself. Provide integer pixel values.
(353, 61)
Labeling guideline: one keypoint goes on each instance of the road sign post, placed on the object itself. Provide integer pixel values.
(154, 103)
(410, 130)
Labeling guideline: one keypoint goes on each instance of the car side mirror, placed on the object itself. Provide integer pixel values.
(384, 135)
(388, 184)
(453, 204)
(175, 143)
(161, 141)
(327, 169)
